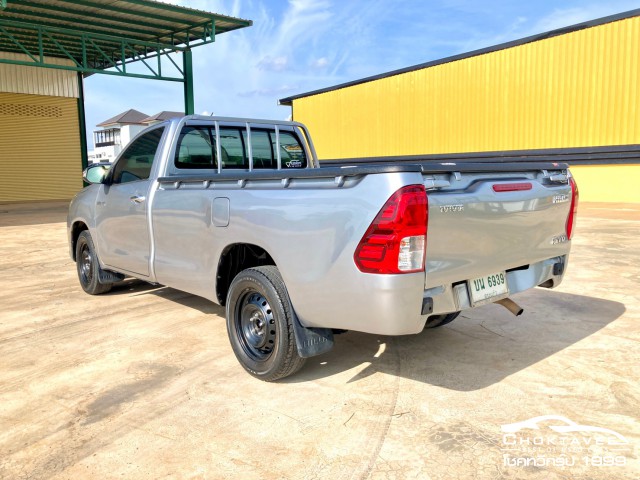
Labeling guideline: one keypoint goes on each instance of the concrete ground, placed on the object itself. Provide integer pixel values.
(142, 382)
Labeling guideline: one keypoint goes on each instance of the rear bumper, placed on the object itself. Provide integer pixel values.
(392, 304)
(455, 297)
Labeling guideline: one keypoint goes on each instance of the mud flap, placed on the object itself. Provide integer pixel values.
(311, 341)
(106, 276)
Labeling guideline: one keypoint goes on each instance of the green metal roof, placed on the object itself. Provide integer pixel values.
(101, 34)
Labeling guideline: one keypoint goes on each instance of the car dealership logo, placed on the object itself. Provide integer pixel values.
(554, 440)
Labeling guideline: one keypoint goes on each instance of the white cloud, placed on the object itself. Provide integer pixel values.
(270, 92)
(320, 63)
(274, 64)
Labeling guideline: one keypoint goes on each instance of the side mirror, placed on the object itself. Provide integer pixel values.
(95, 173)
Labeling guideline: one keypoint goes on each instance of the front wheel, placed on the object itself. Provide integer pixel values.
(88, 266)
(260, 324)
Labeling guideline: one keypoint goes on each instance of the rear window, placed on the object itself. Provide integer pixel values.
(197, 149)
(291, 152)
(232, 149)
(262, 148)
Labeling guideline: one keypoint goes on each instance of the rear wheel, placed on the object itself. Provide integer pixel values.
(260, 324)
(435, 321)
(88, 266)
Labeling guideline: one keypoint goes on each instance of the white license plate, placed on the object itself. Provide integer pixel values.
(488, 289)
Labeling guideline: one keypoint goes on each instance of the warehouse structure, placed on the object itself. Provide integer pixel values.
(571, 95)
(47, 47)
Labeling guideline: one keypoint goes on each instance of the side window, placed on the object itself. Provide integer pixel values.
(136, 161)
(195, 148)
(291, 152)
(261, 149)
(232, 150)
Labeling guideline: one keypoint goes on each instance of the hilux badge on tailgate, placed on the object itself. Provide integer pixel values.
(451, 208)
(560, 198)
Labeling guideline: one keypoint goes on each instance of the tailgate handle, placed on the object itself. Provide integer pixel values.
(558, 178)
(431, 183)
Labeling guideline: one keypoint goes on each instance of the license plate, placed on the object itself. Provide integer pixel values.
(488, 289)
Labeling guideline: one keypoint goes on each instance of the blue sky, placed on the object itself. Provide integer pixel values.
(300, 45)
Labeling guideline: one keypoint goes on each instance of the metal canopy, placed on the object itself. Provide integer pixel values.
(106, 37)
(96, 35)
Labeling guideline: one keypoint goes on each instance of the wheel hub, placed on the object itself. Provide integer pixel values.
(85, 264)
(256, 326)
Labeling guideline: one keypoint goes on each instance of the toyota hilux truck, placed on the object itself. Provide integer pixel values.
(241, 212)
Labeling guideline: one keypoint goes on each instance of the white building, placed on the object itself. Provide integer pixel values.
(118, 131)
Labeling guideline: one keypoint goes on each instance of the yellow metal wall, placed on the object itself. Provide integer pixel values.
(573, 90)
(608, 183)
(39, 148)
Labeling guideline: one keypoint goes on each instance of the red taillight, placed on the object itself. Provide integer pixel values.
(571, 219)
(395, 240)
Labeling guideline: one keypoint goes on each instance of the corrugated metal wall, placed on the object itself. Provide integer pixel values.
(608, 183)
(577, 89)
(36, 80)
(39, 148)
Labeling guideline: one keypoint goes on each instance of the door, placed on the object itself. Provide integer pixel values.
(39, 146)
(122, 205)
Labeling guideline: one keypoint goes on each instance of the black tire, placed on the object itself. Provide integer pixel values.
(88, 266)
(435, 321)
(260, 324)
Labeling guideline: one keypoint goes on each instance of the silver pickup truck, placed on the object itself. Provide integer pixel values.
(240, 212)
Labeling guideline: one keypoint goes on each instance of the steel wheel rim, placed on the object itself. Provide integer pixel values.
(256, 326)
(85, 265)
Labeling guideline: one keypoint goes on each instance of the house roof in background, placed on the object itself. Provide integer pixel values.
(162, 116)
(130, 117)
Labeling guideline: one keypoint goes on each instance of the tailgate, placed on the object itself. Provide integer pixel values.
(474, 230)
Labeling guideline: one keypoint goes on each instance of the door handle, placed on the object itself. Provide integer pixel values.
(137, 199)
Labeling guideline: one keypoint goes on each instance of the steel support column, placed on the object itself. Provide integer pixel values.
(187, 68)
(84, 158)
